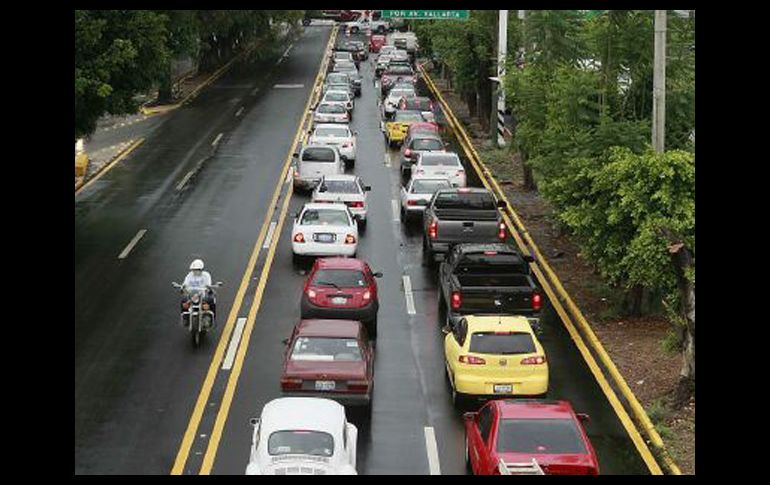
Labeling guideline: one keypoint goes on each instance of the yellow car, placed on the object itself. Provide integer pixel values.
(494, 356)
(395, 129)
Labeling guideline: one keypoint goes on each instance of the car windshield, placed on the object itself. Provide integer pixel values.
(400, 93)
(300, 442)
(325, 217)
(502, 343)
(319, 154)
(536, 436)
(427, 144)
(341, 187)
(393, 70)
(332, 131)
(337, 77)
(465, 200)
(343, 278)
(329, 349)
(408, 116)
(429, 186)
(448, 161)
(331, 108)
(336, 96)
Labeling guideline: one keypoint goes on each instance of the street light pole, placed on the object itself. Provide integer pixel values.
(659, 84)
(502, 52)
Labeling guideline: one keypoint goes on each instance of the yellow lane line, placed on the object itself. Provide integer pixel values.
(232, 382)
(123, 154)
(485, 175)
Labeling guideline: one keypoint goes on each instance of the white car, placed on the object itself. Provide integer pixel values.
(348, 189)
(336, 135)
(315, 161)
(342, 97)
(324, 229)
(331, 113)
(303, 436)
(394, 98)
(417, 194)
(440, 165)
(342, 56)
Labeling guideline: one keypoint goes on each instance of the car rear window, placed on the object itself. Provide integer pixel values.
(332, 131)
(400, 93)
(325, 217)
(319, 154)
(408, 116)
(467, 200)
(541, 436)
(399, 70)
(502, 343)
(480, 263)
(342, 186)
(331, 108)
(448, 160)
(337, 77)
(429, 186)
(427, 144)
(300, 442)
(332, 96)
(329, 349)
(344, 278)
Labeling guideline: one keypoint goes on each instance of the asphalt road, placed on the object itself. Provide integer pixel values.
(137, 376)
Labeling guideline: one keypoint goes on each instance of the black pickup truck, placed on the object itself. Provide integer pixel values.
(478, 279)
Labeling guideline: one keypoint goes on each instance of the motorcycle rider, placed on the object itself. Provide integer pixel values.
(199, 279)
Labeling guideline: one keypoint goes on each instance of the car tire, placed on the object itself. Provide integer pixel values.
(354, 30)
(305, 22)
(403, 215)
(458, 399)
(373, 330)
(362, 225)
(296, 260)
(427, 253)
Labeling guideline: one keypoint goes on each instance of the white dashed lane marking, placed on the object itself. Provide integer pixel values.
(227, 364)
(432, 449)
(131, 244)
(408, 294)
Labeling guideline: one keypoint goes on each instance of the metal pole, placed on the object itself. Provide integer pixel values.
(502, 51)
(659, 84)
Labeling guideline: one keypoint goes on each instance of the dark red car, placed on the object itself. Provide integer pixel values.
(376, 42)
(422, 104)
(331, 359)
(422, 127)
(342, 288)
(515, 437)
(397, 73)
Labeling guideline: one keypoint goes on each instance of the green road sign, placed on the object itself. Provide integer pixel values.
(426, 14)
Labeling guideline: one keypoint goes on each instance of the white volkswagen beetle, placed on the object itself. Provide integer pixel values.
(303, 436)
(324, 229)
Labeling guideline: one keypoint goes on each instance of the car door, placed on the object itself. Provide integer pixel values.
(487, 462)
(477, 436)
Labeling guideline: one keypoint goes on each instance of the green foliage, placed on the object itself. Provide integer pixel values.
(658, 411)
(672, 342)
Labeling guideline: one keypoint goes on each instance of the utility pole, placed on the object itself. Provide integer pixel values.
(659, 84)
(497, 120)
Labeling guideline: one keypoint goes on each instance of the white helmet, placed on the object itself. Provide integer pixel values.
(197, 264)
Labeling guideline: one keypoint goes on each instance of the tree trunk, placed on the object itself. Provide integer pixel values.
(470, 100)
(529, 177)
(165, 94)
(484, 89)
(633, 301)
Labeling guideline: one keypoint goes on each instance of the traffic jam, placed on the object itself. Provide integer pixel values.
(489, 305)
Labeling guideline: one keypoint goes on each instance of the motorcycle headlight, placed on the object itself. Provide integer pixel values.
(196, 298)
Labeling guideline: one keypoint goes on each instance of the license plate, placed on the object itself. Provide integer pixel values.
(324, 385)
(339, 300)
(440, 173)
(503, 388)
(324, 238)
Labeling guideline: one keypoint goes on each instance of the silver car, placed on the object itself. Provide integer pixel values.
(342, 97)
(331, 113)
(336, 135)
(416, 195)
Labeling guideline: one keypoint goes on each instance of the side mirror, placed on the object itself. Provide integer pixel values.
(295, 154)
(254, 422)
(355, 132)
(367, 188)
(285, 341)
(446, 330)
(501, 204)
(584, 418)
(378, 274)
(528, 258)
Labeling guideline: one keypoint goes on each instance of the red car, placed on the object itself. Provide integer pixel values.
(376, 42)
(330, 359)
(533, 437)
(342, 288)
(422, 127)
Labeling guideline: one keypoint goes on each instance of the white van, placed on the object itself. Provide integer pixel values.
(315, 161)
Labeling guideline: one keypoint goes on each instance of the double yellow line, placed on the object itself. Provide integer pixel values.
(208, 383)
(486, 177)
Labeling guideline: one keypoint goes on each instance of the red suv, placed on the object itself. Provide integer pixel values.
(342, 288)
(528, 437)
(331, 359)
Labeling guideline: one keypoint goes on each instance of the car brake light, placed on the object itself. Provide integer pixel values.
(311, 294)
(490, 253)
(411, 202)
(358, 385)
(433, 230)
(289, 383)
(357, 204)
(536, 301)
(457, 300)
(534, 360)
(464, 190)
(186, 305)
(299, 237)
(419, 171)
(469, 359)
(350, 239)
(501, 231)
(408, 152)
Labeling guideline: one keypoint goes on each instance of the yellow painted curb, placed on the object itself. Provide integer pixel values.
(636, 408)
(81, 164)
(107, 166)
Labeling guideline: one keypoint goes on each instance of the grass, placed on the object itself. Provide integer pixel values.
(672, 342)
(658, 412)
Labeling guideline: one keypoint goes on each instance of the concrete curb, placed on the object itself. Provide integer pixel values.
(118, 156)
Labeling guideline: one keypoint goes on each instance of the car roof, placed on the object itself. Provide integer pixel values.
(502, 323)
(325, 205)
(331, 125)
(445, 155)
(307, 413)
(535, 409)
(328, 328)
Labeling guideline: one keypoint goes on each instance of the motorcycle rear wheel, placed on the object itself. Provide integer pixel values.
(196, 337)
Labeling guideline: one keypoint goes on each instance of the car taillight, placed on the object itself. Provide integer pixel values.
(347, 144)
(358, 385)
(357, 204)
(186, 305)
(433, 230)
(408, 152)
(536, 301)
(419, 171)
(350, 239)
(457, 300)
(411, 202)
(534, 360)
(289, 383)
(367, 295)
(501, 231)
(311, 294)
(299, 238)
(469, 359)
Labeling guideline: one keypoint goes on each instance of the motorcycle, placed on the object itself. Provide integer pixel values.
(200, 318)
